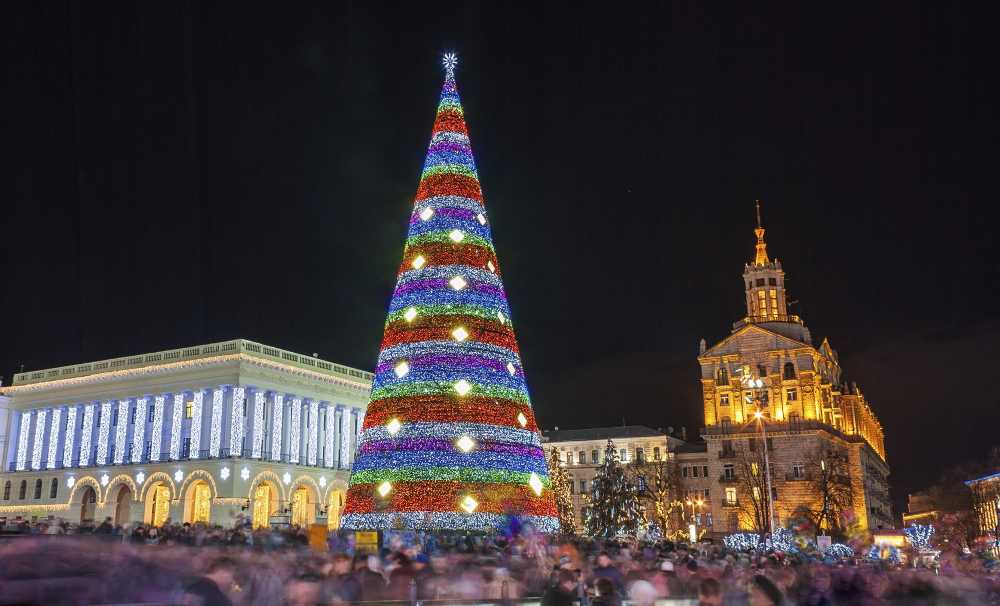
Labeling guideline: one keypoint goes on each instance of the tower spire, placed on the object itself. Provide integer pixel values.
(761, 257)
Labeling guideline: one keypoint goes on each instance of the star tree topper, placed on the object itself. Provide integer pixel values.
(449, 61)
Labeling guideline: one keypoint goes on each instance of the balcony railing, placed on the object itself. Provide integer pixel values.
(203, 455)
(798, 477)
(727, 479)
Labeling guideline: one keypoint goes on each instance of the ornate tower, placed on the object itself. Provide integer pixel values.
(765, 283)
(449, 440)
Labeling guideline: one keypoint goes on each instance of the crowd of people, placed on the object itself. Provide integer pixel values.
(59, 563)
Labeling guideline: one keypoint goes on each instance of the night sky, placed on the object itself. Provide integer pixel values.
(181, 173)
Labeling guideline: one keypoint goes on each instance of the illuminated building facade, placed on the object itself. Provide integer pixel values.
(769, 364)
(198, 434)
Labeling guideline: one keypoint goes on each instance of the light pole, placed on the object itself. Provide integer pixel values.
(693, 526)
(758, 415)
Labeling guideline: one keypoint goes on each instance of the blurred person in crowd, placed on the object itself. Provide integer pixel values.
(606, 569)
(709, 592)
(304, 590)
(563, 593)
(606, 594)
(642, 593)
(212, 588)
(763, 592)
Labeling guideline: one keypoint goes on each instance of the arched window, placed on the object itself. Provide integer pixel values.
(789, 371)
(54, 488)
(23, 491)
(722, 377)
(38, 488)
(640, 455)
(6, 491)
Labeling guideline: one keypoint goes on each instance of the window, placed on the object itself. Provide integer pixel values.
(772, 282)
(640, 455)
(756, 493)
(761, 303)
(792, 394)
(684, 471)
(656, 453)
(569, 458)
(761, 371)
(733, 521)
(707, 493)
(754, 469)
(798, 471)
(730, 495)
(728, 472)
(54, 488)
(640, 484)
(594, 457)
(722, 377)
(694, 471)
(788, 371)
(188, 409)
(704, 471)
(623, 455)
(774, 493)
(724, 399)
(727, 448)
(23, 491)
(770, 443)
(581, 457)
(38, 488)
(6, 491)
(583, 486)
(760, 281)
(569, 481)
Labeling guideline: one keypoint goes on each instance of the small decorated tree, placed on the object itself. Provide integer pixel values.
(559, 481)
(615, 510)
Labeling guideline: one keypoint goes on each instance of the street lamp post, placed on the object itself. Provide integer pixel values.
(758, 415)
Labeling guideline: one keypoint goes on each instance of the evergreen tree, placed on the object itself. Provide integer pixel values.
(449, 439)
(559, 481)
(615, 509)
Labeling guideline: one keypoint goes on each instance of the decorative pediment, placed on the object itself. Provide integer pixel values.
(751, 338)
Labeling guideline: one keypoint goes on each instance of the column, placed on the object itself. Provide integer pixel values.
(68, 443)
(139, 429)
(345, 437)
(197, 399)
(237, 422)
(295, 431)
(258, 426)
(55, 425)
(176, 427)
(121, 431)
(36, 445)
(313, 431)
(103, 433)
(277, 415)
(215, 430)
(329, 454)
(156, 431)
(87, 434)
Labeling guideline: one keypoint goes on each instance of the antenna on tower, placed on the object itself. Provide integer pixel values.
(757, 202)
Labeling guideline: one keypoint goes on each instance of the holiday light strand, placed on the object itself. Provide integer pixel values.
(449, 439)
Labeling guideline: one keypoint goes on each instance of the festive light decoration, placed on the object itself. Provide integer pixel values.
(105, 479)
(277, 414)
(70, 437)
(345, 437)
(157, 429)
(139, 430)
(258, 424)
(330, 436)
(295, 431)
(313, 431)
(468, 452)
(36, 447)
(839, 550)
(561, 484)
(103, 432)
(616, 510)
(286, 478)
(54, 437)
(245, 474)
(140, 478)
(197, 400)
(919, 535)
(224, 473)
(237, 422)
(121, 431)
(178, 476)
(176, 414)
(86, 433)
(70, 481)
(215, 429)
(322, 481)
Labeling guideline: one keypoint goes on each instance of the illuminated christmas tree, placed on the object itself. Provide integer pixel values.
(615, 510)
(449, 439)
(560, 481)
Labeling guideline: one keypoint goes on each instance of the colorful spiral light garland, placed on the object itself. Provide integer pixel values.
(449, 439)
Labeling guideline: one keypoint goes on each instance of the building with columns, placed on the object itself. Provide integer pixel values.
(197, 434)
(768, 386)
